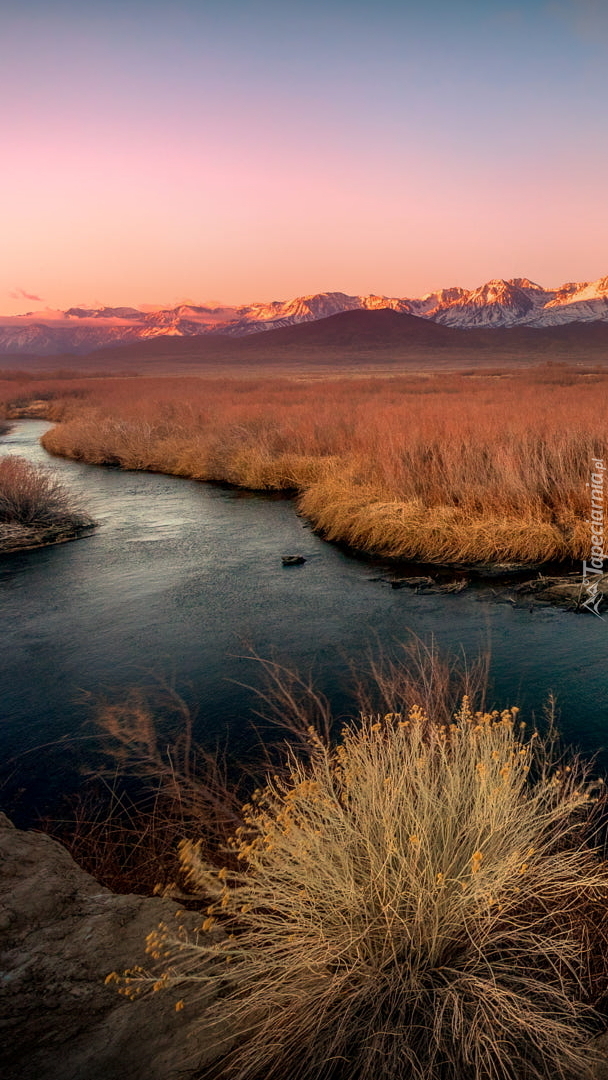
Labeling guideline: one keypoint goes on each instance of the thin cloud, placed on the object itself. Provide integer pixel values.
(21, 294)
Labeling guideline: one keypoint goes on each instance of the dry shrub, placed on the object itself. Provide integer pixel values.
(31, 495)
(417, 900)
(155, 784)
(418, 673)
(125, 841)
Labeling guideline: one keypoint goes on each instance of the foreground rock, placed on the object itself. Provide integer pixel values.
(61, 933)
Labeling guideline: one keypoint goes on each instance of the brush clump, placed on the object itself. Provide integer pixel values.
(418, 900)
(35, 507)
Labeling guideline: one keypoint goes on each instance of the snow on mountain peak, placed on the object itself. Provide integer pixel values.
(593, 291)
(525, 283)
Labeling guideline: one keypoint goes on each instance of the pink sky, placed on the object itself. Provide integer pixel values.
(153, 153)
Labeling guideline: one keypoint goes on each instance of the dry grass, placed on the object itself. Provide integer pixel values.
(5, 425)
(30, 495)
(153, 785)
(416, 900)
(473, 466)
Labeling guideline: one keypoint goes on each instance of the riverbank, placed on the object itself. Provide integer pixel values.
(29, 537)
(456, 467)
(175, 440)
(394, 532)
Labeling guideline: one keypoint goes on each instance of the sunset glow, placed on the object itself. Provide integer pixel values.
(155, 152)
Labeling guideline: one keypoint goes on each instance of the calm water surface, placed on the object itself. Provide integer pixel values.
(181, 578)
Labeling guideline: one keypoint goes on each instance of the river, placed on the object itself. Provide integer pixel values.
(181, 579)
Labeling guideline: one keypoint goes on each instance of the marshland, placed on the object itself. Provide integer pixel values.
(304, 350)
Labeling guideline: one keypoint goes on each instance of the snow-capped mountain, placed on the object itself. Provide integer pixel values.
(437, 301)
(498, 303)
(278, 313)
(577, 303)
(521, 302)
(256, 317)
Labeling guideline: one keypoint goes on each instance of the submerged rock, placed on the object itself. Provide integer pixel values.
(454, 586)
(292, 560)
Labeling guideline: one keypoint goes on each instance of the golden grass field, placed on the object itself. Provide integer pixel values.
(468, 466)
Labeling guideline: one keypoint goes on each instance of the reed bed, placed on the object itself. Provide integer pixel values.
(472, 467)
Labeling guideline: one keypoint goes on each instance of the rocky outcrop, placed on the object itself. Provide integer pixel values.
(61, 933)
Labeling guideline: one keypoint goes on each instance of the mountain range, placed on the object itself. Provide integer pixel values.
(498, 304)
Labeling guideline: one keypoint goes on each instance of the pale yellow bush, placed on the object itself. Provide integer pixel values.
(415, 902)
